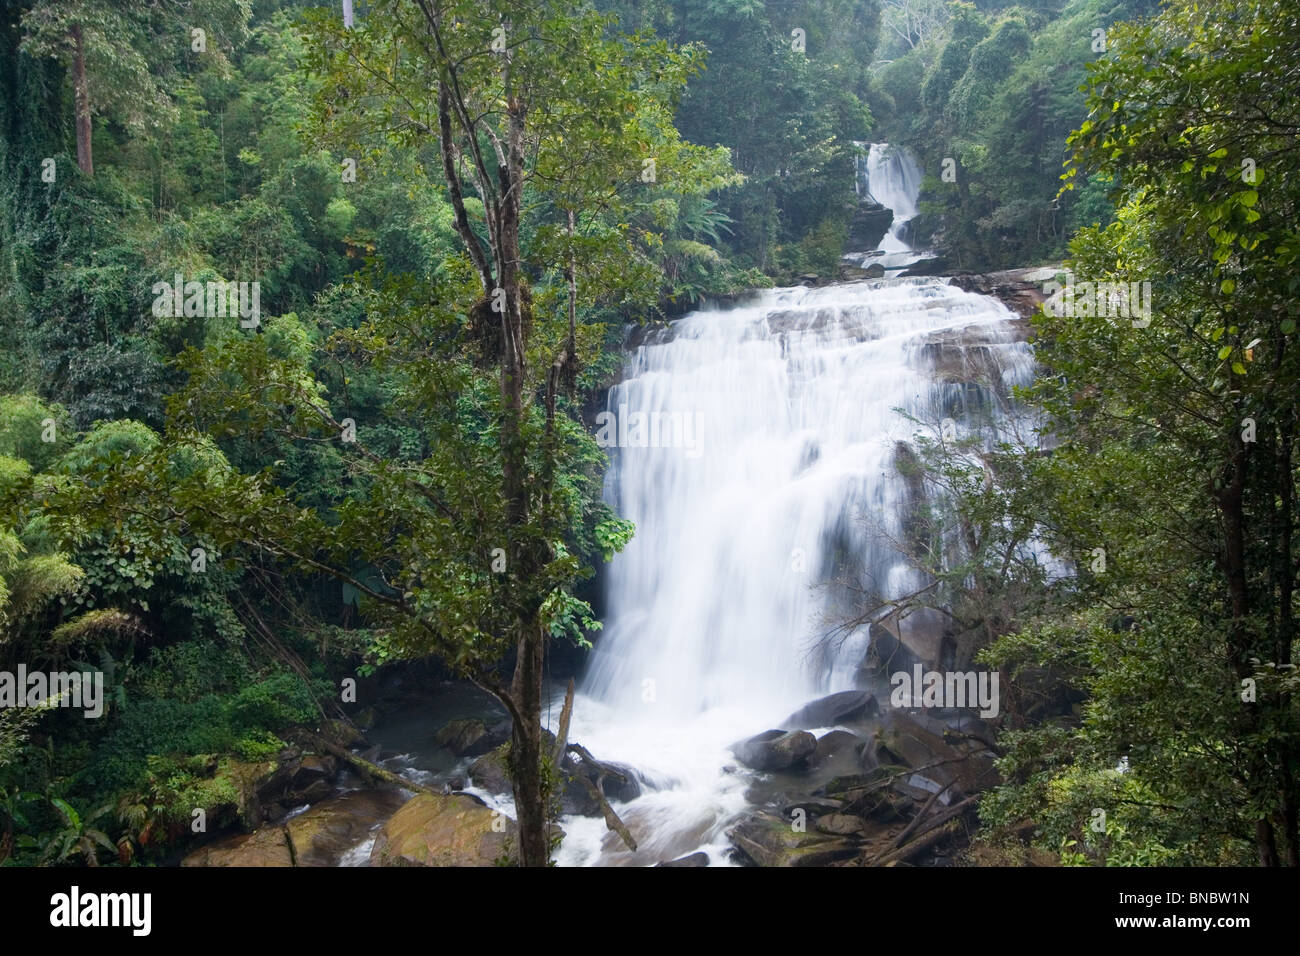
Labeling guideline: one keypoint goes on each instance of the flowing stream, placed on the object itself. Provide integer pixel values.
(756, 455)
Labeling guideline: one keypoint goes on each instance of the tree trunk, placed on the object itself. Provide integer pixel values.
(526, 749)
(84, 159)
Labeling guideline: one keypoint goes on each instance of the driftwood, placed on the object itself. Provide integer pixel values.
(920, 817)
(363, 766)
(918, 845)
(612, 819)
(566, 713)
(938, 828)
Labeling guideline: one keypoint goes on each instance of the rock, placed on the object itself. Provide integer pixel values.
(620, 784)
(836, 744)
(869, 224)
(468, 738)
(324, 833)
(490, 771)
(1020, 289)
(312, 769)
(811, 806)
(268, 846)
(899, 643)
(875, 271)
(839, 824)
(767, 840)
(938, 265)
(342, 733)
(963, 770)
(776, 750)
(834, 709)
(695, 859)
(444, 830)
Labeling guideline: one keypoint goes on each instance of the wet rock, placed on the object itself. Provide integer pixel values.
(831, 710)
(836, 745)
(936, 266)
(840, 824)
(869, 224)
(765, 839)
(314, 768)
(875, 271)
(695, 859)
(965, 768)
(268, 846)
(776, 750)
(342, 733)
(445, 830)
(491, 772)
(329, 829)
(469, 738)
(1020, 289)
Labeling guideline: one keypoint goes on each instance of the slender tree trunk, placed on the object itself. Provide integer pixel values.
(84, 159)
(1231, 498)
(526, 749)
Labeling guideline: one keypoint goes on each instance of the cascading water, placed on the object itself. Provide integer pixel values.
(890, 176)
(757, 460)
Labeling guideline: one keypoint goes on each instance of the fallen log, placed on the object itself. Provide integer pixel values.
(363, 766)
(612, 820)
(918, 845)
(939, 827)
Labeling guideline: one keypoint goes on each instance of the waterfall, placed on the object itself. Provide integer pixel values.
(755, 454)
(889, 175)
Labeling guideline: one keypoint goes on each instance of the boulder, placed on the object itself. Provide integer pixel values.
(776, 750)
(313, 769)
(765, 839)
(869, 224)
(875, 271)
(324, 833)
(964, 769)
(445, 830)
(837, 745)
(268, 846)
(469, 738)
(840, 824)
(694, 859)
(831, 710)
(1021, 290)
(938, 265)
(491, 773)
(342, 733)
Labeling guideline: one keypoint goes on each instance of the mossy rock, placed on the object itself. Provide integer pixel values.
(445, 830)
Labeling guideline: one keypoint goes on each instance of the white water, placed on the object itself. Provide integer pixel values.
(715, 608)
(889, 175)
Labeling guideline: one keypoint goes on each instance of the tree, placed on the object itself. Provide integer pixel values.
(465, 541)
(101, 43)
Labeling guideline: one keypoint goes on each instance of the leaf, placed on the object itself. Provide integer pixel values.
(1288, 326)
(1239, 368)
(1227, 285)
(1225, 352)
